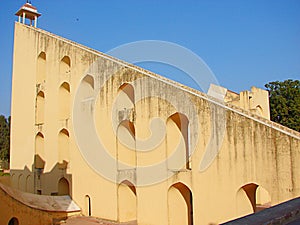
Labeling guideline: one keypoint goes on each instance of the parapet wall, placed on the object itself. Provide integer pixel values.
(40, 209)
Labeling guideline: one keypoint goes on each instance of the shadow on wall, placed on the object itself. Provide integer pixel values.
(56, 182)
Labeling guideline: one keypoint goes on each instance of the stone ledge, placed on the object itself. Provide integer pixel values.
(284, 213)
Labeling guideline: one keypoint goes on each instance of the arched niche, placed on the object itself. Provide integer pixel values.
(86, 93)
(63, 146)
(129, 126)
(259, 110)
(127, 202)
(65, 66)
(125, 102)
(39, 150)
(126, 153)
(88, 205)
(13, 221)
(126, 95)
(13, 180)
(40, 108)
(64, 101)
(180, 205)
(263, 199)
(21, 182)
(89, 80)
(63, 187)
(87, 87)
(178, 142)
(251, 198)
(41, 68)
(29, 184)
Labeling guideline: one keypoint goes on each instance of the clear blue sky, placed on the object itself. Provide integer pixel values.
(245, 43)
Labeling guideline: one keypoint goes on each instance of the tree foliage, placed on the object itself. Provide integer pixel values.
(4, 138)
(284, 99)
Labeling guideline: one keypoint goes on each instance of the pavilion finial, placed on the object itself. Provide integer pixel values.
(28, 11)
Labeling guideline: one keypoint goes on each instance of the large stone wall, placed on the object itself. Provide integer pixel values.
(150, 148)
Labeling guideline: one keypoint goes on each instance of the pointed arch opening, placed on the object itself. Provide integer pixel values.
(63, 187)
(126, 153)
(86, 91)
(127, 90)
(64, 101)
(125, 102)
(65, 65)
(29, 184)
(252, 198)
(178, 142)
(39, 150)
(13, 179)
(180, 205)
(127, 202)
(263, 199)
(129, 127)
(21, 182)
(41, 68)
(40, 108)
(88, 205)
(63, 146)
(259, 110)
(13, 221)
(89, 80)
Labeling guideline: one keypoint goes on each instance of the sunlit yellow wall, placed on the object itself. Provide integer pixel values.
(255, 101)
(43, 95)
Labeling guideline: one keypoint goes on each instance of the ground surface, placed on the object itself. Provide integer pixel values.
(79, 220)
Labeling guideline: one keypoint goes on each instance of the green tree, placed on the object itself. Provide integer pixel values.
(284, 99)
(4, 138)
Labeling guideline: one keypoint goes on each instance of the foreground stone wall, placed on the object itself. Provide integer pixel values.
(10, 209)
